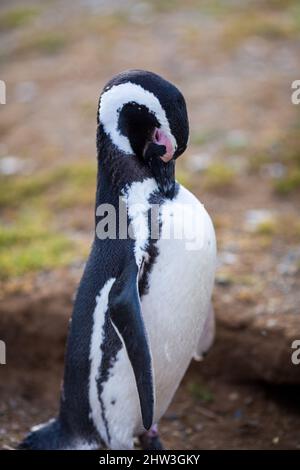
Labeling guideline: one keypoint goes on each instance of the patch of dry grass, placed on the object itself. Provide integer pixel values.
(219, 176)
(17, 17)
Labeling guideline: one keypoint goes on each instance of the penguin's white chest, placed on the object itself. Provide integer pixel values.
(180, 286)
(174, 309)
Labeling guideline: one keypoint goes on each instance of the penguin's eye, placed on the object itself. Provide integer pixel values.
(138, 124)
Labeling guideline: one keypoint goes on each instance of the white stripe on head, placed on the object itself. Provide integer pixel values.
(112, 102)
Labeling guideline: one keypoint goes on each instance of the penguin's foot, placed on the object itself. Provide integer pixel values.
(150, 440)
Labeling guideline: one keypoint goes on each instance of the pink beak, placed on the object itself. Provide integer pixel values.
(161, 138)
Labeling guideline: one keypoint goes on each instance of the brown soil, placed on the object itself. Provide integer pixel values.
(213, 408)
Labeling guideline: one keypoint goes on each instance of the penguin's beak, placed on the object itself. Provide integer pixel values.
(160, 145)
(162, 138)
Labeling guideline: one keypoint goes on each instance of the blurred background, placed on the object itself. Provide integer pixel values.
(234, 61)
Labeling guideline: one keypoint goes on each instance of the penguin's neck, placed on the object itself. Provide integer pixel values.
(116, 171)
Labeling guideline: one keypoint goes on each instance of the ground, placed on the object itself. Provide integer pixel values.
(235, 63)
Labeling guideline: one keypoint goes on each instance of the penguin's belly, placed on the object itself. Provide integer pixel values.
(180, 286)
(174, 309)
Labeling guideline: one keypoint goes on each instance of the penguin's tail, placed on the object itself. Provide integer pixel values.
(48, 436)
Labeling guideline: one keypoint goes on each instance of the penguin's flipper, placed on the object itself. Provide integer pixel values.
(126, 317)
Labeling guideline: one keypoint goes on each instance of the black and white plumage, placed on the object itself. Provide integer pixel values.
(143, 303)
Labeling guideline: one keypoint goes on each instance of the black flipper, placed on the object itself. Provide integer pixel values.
(126, 316)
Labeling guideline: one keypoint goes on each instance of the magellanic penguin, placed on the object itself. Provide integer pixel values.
(143, 307)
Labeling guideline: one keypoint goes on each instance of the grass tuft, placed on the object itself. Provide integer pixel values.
(17, 17)
(48, 43)
(200, 392)
(219, 176)
(288, 184)
(28, 240)
(31, 244)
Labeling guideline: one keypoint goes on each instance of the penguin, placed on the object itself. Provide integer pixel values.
(144, 300)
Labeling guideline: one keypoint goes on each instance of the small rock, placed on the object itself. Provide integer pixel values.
(248, 400)
(11, 165)
(237, 138)
(226, 257)
(290, 263)
(141, 12)
(238, 414)
(275, 440)
(198, 427)
(26, 91)
(271, 322)
(274, 170)
(233, 396)
(199, 162)
(172, 416)
(255, 217)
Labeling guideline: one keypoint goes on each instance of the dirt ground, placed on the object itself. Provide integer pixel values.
(208, 412)
(235, 62)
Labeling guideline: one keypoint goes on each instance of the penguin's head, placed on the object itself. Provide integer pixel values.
(145, 116)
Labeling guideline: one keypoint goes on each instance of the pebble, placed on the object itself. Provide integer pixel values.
(141, 12)
(199, 162)
(255, 217)
(271, 322)
(226, 257)
(233, 396)
(198, 427)
(11, 165)
(238, 414)
(26, 91)
(172, 416)
(289, 264)
(237, 138)
(274, 170)
(248, 400)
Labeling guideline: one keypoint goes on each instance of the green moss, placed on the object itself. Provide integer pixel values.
(219, 176)
(31, 244)
(208, 7)
(29, 240)
(289, 183)
(249, 24)
(162, 6)
(200, 392)
(38, 254)
(279, 4)
(267, 228)
(202, 138)
(75, 180)
(17, 17)
(14, 191)
(294, 12)
(48, 42)
(256, 162)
